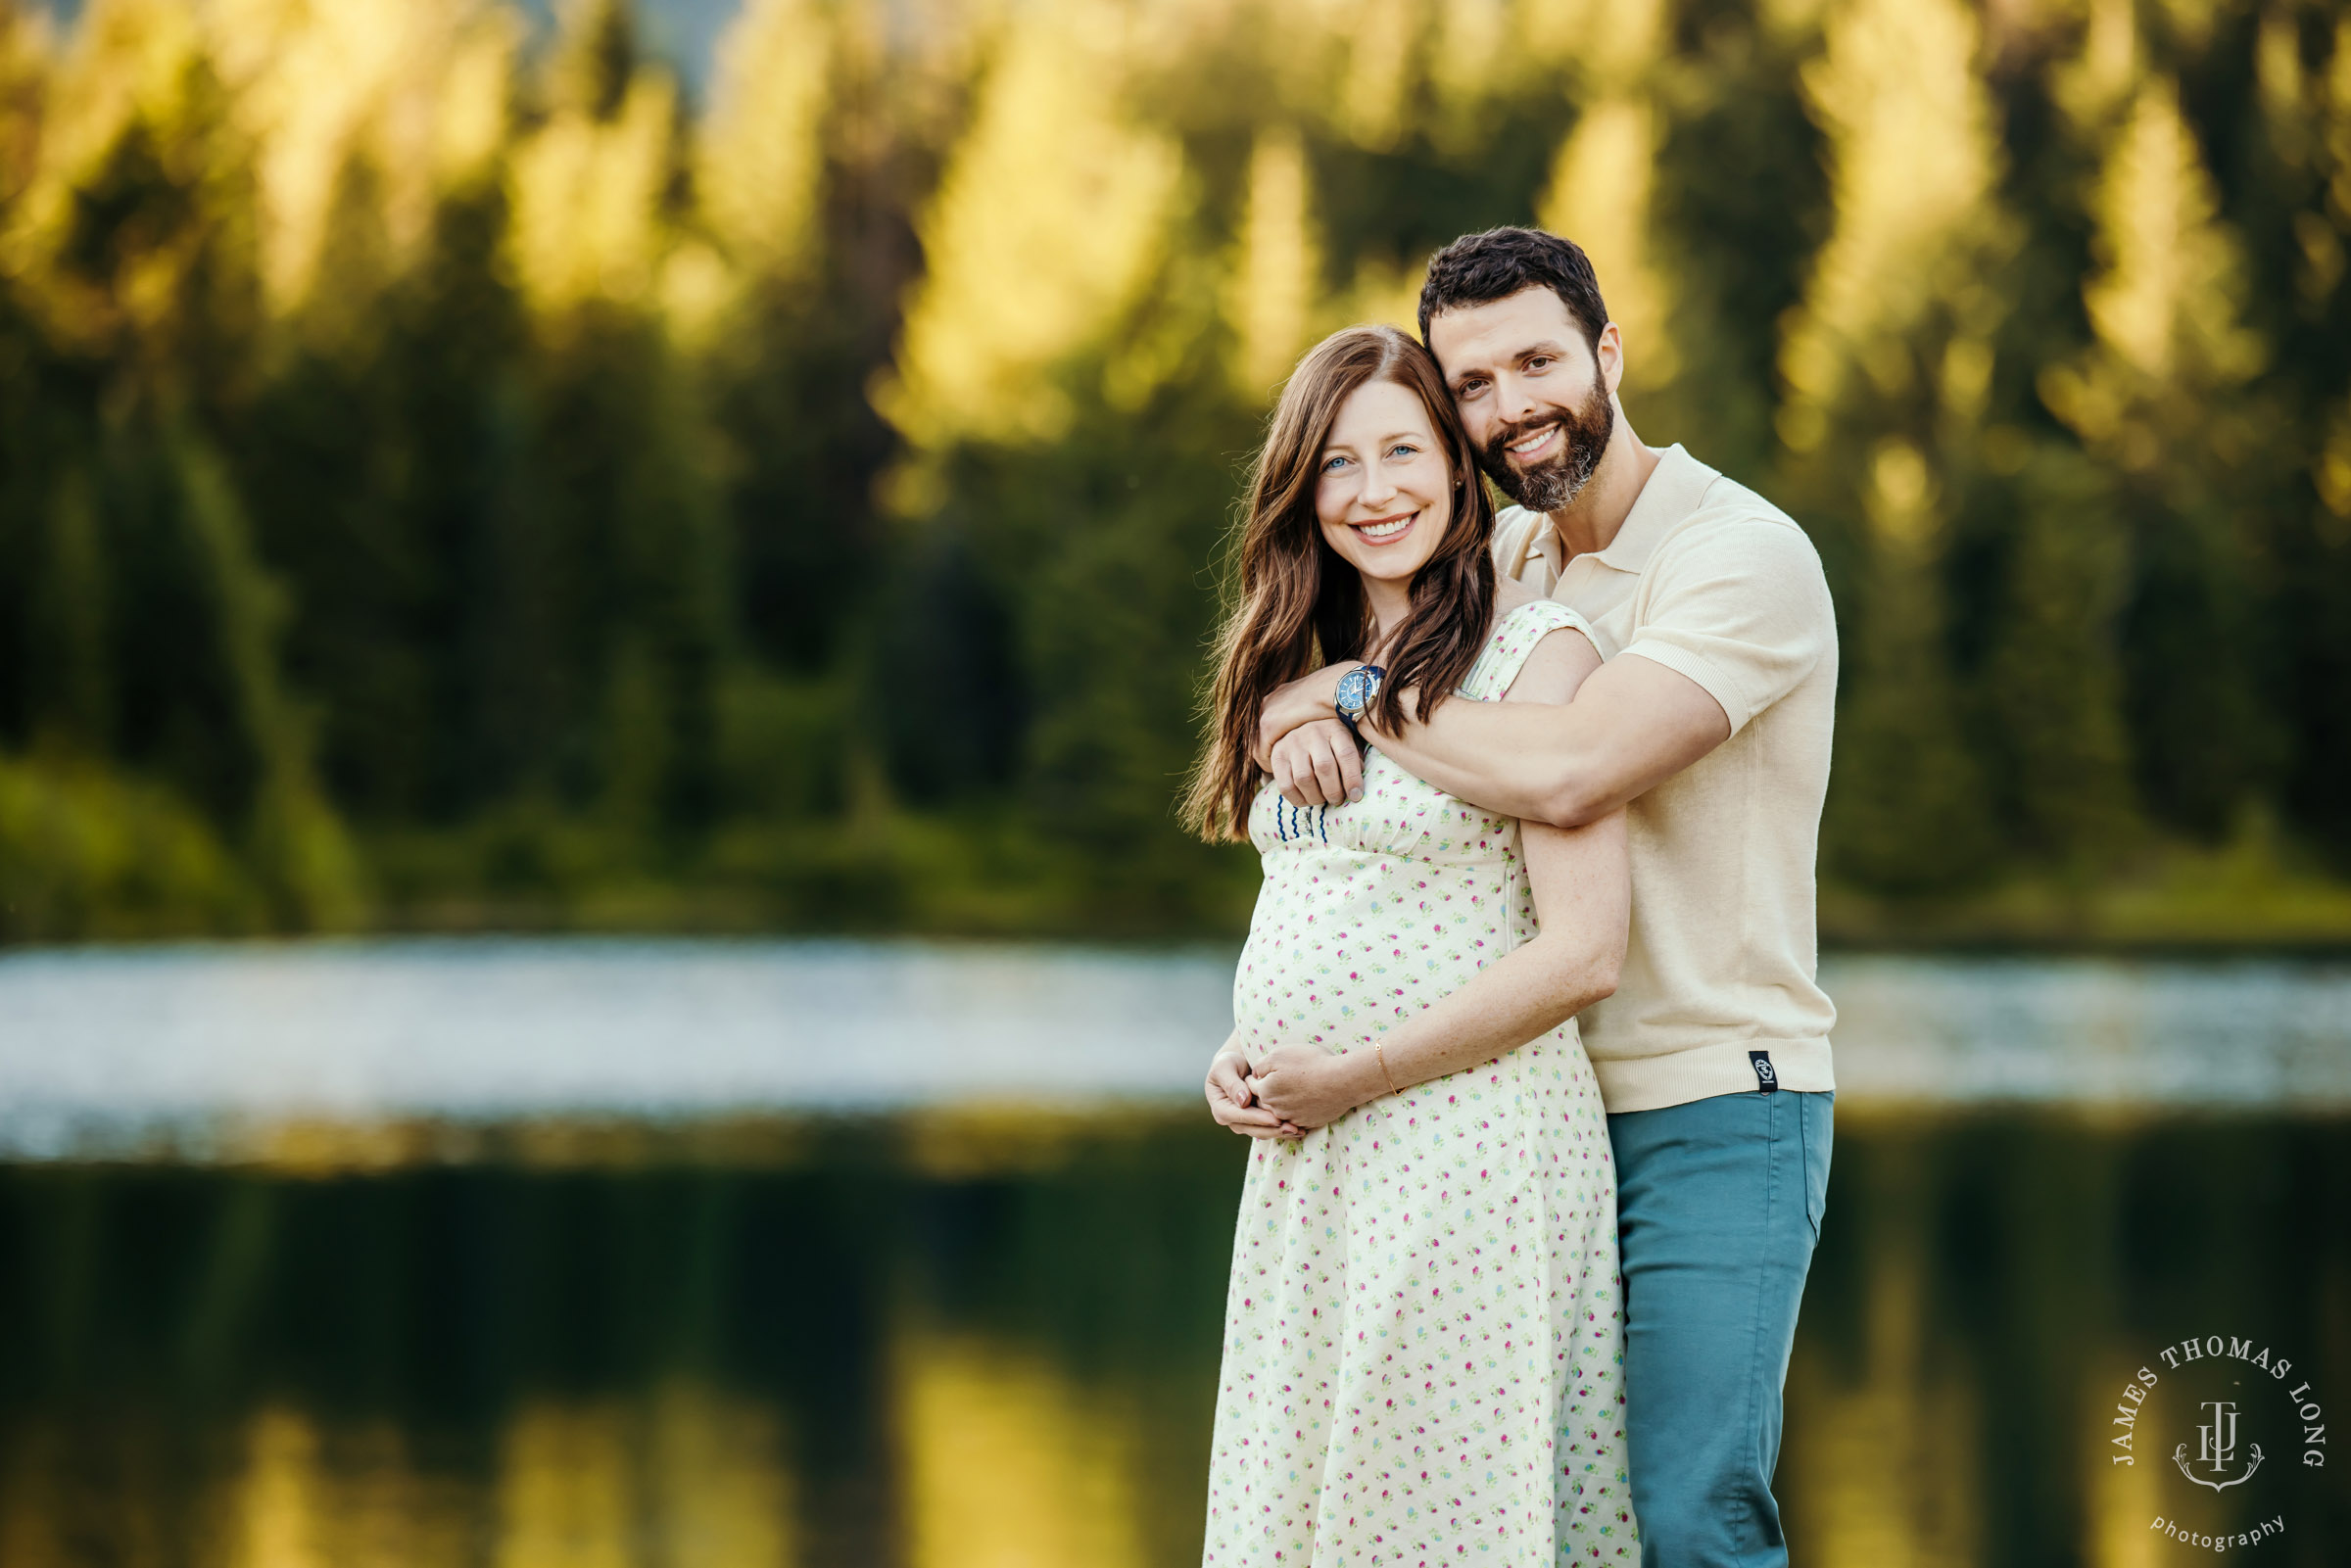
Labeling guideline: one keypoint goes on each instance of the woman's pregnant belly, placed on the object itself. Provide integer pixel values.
(1343, 947)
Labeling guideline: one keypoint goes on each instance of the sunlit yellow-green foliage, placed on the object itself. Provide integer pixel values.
(2163, 300)
(454, 475)
(1599, 192)
(761, 163)
(1271, 293)
(1600, 188)
(1914, 175)
(397, 100)
(1049, 215)
(1886, 366)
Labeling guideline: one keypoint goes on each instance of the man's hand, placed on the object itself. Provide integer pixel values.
(1233, 1106)
(1310, 1087)
(1303, 701)
(1317, 764)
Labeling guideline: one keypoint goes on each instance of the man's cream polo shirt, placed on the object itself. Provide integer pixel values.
(1713, 582)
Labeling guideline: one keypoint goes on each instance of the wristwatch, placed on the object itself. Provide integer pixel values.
(1358, 688)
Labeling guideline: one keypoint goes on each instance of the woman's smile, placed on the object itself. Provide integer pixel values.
(1385, 530)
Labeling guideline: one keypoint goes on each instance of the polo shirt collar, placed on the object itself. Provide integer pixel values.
(1674, 488)
(1673, 491)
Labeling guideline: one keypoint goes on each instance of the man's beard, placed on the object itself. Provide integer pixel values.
(1553, 484)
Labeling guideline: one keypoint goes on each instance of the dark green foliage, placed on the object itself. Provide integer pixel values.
(1743, 203)
(1084, 576)
(427, 590)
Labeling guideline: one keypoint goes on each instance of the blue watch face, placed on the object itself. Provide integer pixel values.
(1357, 687)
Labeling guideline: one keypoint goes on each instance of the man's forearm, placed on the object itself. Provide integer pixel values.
(1506, 757)
(1633, 725)
(1516, 759)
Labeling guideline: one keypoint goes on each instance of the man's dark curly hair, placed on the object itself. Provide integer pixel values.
(1480, 269)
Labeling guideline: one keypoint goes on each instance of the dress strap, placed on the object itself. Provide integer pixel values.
(1512, 639)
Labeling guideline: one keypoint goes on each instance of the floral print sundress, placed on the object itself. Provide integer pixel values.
(1424, 1350)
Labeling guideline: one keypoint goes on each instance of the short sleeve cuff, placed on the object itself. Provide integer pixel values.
(1573, 621)
(1711, 677)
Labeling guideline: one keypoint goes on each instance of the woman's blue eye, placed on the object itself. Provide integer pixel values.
(1404, 447)
(1329, 464)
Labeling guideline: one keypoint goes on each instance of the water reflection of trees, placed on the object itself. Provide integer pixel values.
(1987, 1285)
(966, 1340)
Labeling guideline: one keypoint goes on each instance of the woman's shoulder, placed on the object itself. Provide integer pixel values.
(1523, 616)
(1519, 626)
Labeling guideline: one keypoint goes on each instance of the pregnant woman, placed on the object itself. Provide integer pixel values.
(1421, 1342)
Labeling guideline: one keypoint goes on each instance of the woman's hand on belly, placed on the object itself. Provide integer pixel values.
(1233, 1106)
(1310, 1087)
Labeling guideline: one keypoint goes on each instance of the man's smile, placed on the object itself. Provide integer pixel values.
(1535, 443)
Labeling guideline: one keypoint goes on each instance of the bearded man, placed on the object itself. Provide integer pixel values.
(1710, 720)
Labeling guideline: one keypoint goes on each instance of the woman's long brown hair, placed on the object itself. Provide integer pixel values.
(1300, 605)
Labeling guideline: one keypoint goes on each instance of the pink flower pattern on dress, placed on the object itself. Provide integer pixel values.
(1423, 1352)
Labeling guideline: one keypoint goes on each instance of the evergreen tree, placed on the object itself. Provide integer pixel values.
(795, 198)
(1738, 202)
(1887, 365)
(2052, 681)
(2163, 400)
(2305, 80)
(1270, 291)
(1600, 196)
(1049, 388)
(621, 564)
(140, 223)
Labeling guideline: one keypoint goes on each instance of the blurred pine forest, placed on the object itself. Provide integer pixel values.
(450, 475)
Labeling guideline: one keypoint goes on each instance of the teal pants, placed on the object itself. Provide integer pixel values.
(1718, 1206)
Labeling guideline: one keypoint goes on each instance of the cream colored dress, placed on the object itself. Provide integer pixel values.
(1423, 1344)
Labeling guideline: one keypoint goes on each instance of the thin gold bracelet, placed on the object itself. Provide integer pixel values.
(1380, 1050)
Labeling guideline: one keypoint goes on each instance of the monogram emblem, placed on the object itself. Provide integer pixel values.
(2216, 1448)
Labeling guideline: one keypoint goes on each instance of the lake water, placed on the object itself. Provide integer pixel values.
(542, 1254)
(107, 1051)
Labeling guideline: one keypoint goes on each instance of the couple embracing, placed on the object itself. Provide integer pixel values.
(1527, 1028)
